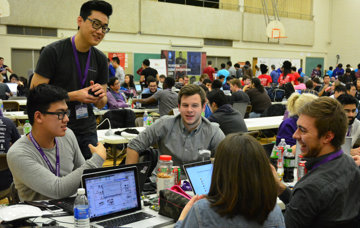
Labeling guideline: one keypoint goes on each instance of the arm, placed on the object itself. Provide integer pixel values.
(142, 78)
(188, 216)
(148, 100)
(8, 69)
(132, 156)
(355, 151)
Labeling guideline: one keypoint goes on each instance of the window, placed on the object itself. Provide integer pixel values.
(201, 3)
(31, 31)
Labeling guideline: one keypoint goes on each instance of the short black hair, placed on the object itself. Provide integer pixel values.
(41, 97)
(216, 84)
(229, 63)
(247, 63)
(339, 65)
(221, 76)
(319, 65)
(14, 76)
(209, 62)
(169, 82)
(222, 65)
(112, 81)
(293, 68)
(340, 88)
(309, 84)
(237, 65)
(96, 5)
(150, 79)
(162, 76)
(263, 68)
(301, 79)
(206, 80)
(326, 75)
(116, 59)
(1, 57)
(146, 62)
(330, 68)
(349, 85)
(218, 97)
(346, 99)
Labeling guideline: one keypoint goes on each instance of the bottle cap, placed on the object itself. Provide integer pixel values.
(26, 121)
(81, 191)
(165, 157)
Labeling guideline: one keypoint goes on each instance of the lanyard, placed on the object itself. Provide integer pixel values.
(82, 78)
(327, 159)
(37, 146)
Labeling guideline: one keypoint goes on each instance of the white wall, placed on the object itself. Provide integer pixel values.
(129, 40)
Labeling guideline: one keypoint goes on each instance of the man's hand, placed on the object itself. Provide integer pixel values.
(281, 186)
(356, 159)
(97, 89)
(135, 100)
(189, 205)
(83, 96)
(99, 149)
(355, 151)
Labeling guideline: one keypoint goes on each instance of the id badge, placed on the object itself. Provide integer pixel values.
(81, 111)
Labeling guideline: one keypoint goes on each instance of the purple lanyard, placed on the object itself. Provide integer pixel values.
(37, 146)
(327, 159)
(349, 131)
(82, 78)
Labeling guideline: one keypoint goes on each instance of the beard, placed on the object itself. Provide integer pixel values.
(351, 120)
(312, 152)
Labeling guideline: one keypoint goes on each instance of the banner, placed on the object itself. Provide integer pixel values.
(181, 63)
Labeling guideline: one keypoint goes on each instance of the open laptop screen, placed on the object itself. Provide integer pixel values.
(199, 175)
(112, 193)
(12, 87)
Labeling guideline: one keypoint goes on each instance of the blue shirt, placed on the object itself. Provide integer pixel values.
(330, 73)
(147, 91)
(274, 76)
(224, 72)
(202, 215)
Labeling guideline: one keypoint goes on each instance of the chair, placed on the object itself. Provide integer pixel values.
(241, 107)
(279, 94)
(10, 193)
(11, 105)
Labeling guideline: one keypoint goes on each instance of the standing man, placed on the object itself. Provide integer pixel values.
(146, 72)
(238, 71)
(328, 195)
(274, 75)
(316, 72)
(210, 71)
(119, 71)
(81, 69)
(4, 69)
(224, 72)
(231, 69)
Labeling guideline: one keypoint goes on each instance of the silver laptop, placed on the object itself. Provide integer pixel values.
(114, 200)
(199, 175)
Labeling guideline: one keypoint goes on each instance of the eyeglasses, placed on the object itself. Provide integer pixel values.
(60, 115)
(97, 24)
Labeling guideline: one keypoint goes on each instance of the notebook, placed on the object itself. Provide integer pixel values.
(199, 175)
(67, 204)
(114, 200)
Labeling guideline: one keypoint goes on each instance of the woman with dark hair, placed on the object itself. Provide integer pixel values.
(286, 75)
(128, 86)
(242, 193)
(259, 98)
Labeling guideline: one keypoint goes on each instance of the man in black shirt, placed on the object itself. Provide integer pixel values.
(77, 66)
(146, 72)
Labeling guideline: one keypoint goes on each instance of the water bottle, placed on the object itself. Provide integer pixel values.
(280, 164)
(145, 117)
(149, 121)
(27, 127)
(81, 210)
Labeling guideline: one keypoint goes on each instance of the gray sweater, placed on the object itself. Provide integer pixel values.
(33, 178)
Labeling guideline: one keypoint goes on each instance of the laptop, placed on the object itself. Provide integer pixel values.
(199, 175)
(67, 204)
(138, 87)
(114, 200)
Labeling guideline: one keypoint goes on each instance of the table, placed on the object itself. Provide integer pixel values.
(263, 123)
(21, 102)
(279, 102)
(98, 112)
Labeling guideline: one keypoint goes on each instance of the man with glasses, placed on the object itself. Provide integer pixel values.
(47, 163)
(350, 105)
(77, 66)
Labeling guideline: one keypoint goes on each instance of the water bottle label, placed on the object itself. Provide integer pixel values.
(81, 212)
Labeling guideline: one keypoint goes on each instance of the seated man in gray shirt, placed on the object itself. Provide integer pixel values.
(166, 97)
(180, 136)
(47, 163)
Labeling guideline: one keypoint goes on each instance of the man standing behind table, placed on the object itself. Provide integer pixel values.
(77, 66)
(167, 98)
(47, 163)
(328, 194)
(147, 72)
(180, 136)
(119, 71)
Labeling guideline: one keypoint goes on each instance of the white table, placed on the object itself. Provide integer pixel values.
(263, 123)
(98, 112)
(18, 115)
(279, 102)
(21, 102)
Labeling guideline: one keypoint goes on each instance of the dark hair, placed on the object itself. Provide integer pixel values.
(41, 97)
(326, 75)
(301, 80)
(146, 62)
(236, 65)
(169, 82)
(263, 68)
(216, 84)
(150, 79)
(347, 99)
(257, 84)
(96, 5)
(316, 80)
(222, 65)
(190, 90)
(206, 80)
(348, 65)
(209, 62)
(329, 116)
(319, 65)
(287, 68)
(309, 84)
(116, 59)
(358, 66)
(340, 88)
(330, 68)
(293, 68)
(1, 57)
(339, 65)
(131, 82)
(242, 174)
(236, 82)
(221, 76)
(217, 96)
(229, 63)
(14, 76)
(112, 81)
(162, 76)
(247, 63)
(347, 70)
(273, 66)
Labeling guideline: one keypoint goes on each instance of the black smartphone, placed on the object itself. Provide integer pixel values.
(93, 93)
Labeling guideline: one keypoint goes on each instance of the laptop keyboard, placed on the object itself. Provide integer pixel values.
(67, 204)
(126, 219)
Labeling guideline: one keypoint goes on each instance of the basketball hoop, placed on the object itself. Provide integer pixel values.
(275, 30)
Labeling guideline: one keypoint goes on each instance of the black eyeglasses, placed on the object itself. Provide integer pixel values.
(97, 24)
(60, 115)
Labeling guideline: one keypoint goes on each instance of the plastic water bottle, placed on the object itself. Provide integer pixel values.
(81, 210)
(145, 118)
(27, 127)
(149, 121)
(281, 148)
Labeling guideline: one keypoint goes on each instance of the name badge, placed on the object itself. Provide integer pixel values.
(81, 111)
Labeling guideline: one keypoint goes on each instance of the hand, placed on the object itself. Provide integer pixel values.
(3, 72)
(97, 89)
(134, 101)
(99, 149)
(281, 186)
(356, 159)
(83, 96)
(189, 205)
(355, 151)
